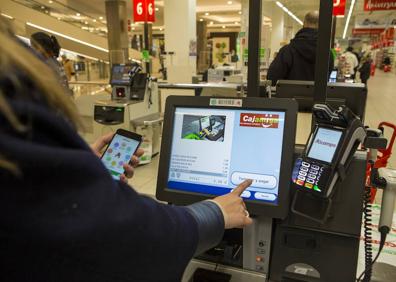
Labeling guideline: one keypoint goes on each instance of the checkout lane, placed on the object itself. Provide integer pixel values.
(207, 129)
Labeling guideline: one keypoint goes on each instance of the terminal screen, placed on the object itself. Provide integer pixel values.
(325, 144)
(235, 145)
(120, 74)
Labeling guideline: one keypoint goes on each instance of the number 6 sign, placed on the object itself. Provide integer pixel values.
(143, 11)
(339, 7)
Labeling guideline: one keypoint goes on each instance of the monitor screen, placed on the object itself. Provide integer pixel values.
(238, 144)
(333, 76)
(120, 74)
(324, 144)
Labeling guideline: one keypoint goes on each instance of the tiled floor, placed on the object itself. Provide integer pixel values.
(381, 106)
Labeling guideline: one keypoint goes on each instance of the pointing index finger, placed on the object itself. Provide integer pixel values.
(242, 187)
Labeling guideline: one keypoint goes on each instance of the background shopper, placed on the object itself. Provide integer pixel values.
(296, 61)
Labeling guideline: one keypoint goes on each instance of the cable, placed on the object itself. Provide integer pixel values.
(368, 239)
(368, 271)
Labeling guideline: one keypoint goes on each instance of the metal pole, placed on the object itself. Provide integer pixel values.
(323, 51)
(146, 44)
(254, 38)
(333, 31)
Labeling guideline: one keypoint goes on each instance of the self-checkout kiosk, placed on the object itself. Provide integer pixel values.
(134, 106)
(306, 202)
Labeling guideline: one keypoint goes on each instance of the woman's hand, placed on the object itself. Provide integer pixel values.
(103, 141)
(233, 207)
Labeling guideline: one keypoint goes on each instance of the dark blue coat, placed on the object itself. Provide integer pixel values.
(63, 218)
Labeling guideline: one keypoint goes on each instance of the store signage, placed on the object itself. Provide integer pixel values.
(143, 11)
(339, 7)
(259, 120)
(378, 5)
(367, 31)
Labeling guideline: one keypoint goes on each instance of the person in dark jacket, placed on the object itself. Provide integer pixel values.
(62, 216)
(296, 61)
(48, 47)
(365, 68)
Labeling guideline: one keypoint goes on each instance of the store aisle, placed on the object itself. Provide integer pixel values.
(381, 102)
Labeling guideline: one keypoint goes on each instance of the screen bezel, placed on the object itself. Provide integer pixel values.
(312, 138)
(288, 106)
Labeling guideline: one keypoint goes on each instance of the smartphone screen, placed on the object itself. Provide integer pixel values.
(118, 153)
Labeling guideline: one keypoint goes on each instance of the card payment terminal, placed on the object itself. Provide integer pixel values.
(331, 145)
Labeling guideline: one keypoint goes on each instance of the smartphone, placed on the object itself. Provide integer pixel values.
(120, 151)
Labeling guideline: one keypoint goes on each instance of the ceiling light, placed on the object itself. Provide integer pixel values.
(46, 11)
(348, 19)
(157, 9)
(67, 37)
(211, 23)
(201, 20)
(160, 28)
(7, 16)
(133, 28)
(94, 20)
(78, 14)
(50, 1)
(287, 11)
(236, 22)
(42, 7)
(229, 2)
(223, 26)
(59, 19)
(240, 12)
(100, 18)
(206, 14)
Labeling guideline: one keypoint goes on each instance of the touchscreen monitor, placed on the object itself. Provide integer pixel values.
(120, 74)
(324, 144)
(242, 144)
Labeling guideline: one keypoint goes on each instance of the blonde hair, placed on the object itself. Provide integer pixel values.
(14, 54)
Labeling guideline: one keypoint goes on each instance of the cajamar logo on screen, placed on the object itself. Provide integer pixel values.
(259, 120)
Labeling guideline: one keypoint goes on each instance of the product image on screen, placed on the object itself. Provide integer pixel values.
(119, 153)
(208, 128)
(120, 74)
(214, 150)
(325, 144)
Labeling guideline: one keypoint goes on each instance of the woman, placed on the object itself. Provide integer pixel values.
(62, 216)
(49, 48)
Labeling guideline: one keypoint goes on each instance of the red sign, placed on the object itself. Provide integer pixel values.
(143, 11)
(339, 7)
(259, 120)
(367, 31)
(378, 5)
